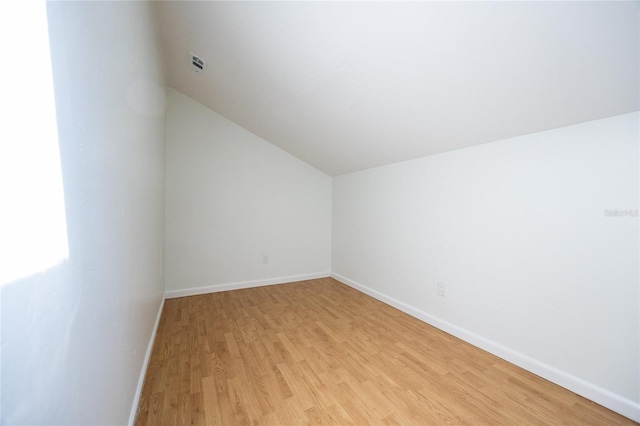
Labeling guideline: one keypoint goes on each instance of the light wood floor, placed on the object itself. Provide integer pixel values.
(319, 352)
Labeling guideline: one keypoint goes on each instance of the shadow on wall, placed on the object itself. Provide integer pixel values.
(39, 325)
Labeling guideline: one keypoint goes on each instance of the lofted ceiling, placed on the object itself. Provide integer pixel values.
(347, 86)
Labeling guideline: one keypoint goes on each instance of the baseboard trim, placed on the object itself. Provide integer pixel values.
(171, 294)
(145, 365)
(575, 384)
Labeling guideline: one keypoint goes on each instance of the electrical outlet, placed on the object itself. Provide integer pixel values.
(442, 289)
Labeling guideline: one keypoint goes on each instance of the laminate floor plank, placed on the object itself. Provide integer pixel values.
(321, 353)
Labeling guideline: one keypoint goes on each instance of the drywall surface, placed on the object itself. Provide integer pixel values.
(232, 199)
(535, 239)
(74, 337)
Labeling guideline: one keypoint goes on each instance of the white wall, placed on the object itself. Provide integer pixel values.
(232, 198)
(74, 337)
(534, 269)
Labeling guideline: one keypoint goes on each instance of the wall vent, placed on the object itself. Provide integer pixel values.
(196, 62)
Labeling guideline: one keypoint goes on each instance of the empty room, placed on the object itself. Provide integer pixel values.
(300, 212)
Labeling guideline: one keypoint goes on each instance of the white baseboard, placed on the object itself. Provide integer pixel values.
(143, 370)
(575, 384)
(170, 294)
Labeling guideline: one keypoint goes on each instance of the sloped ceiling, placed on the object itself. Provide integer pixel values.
(347, 86)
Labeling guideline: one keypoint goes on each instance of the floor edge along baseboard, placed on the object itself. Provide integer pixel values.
(608, 399)
(193, 291)
(145, 365)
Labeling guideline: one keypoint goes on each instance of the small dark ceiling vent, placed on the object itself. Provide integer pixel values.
(196, 62)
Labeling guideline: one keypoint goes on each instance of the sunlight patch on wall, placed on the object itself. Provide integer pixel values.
(33, 230)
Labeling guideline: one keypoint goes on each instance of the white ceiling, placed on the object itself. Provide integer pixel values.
(347, 86)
